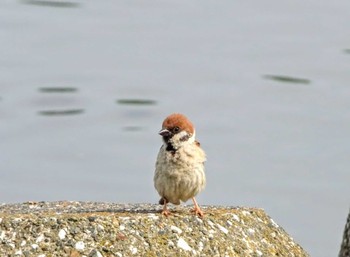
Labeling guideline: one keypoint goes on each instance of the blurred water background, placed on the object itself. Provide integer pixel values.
(85, 85)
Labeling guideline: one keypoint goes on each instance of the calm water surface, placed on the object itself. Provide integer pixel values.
(84, 87)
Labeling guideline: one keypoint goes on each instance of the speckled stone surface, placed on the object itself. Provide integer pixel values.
(92, 229)
(345, 245)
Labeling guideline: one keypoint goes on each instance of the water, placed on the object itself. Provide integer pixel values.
(84, 87)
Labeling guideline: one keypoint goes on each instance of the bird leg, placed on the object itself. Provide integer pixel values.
(165, 210)
(197, 210)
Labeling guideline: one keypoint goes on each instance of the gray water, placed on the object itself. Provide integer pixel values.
(85, 85)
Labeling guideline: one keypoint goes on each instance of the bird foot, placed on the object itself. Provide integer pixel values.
(166, 213)
(198, 211)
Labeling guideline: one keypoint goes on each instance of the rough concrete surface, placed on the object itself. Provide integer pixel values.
(92, 229)
(345, 245)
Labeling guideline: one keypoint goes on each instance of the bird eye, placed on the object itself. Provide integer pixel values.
(176, 129)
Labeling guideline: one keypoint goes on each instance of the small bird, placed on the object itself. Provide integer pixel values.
(179, 173)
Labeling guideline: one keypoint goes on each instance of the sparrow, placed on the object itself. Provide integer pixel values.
(179, 173)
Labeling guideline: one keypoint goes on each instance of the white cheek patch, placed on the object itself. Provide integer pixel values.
(179, 140)
(184, 137)
(192, 138)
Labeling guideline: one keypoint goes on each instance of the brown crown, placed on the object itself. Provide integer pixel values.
(178, 120)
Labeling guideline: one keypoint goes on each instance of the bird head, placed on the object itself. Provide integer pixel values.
(177, 130)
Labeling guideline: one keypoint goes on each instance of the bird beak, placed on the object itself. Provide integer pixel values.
(164, 133)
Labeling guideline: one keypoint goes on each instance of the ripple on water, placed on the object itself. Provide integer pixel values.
(136, 101)
(51, 3)
(61, 112)
(287, 79)
(58, 89)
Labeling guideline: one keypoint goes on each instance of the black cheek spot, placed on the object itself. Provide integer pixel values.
(185, 137)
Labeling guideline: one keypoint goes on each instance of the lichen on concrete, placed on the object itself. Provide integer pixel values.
(104, 229)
